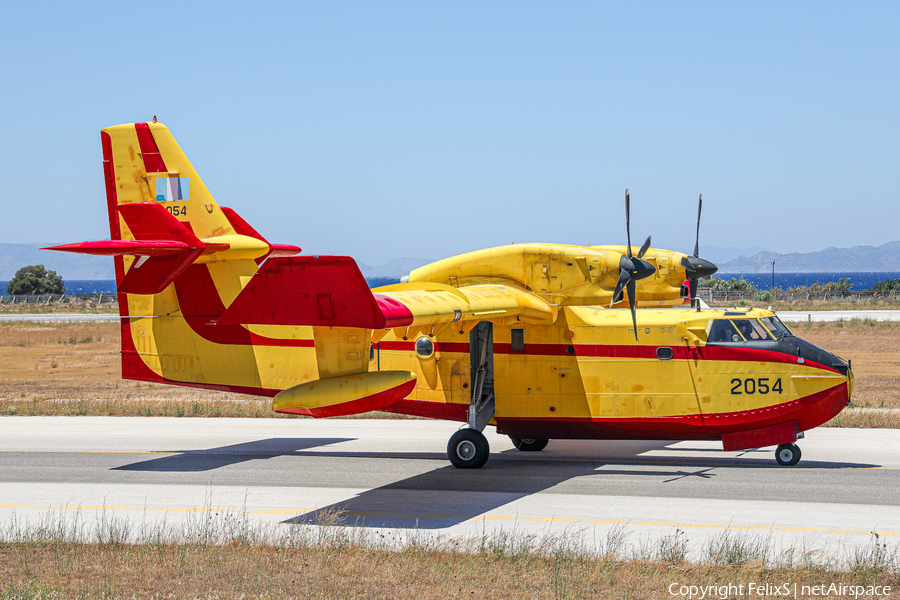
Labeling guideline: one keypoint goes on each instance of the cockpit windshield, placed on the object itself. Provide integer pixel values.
(737, 330)
(777, 328)
(752, 330)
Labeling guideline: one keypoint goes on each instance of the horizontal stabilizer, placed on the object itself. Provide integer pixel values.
(163, 245)
(313, 290)
(124, 247)
(345, 395)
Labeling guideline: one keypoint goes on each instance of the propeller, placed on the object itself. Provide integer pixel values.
(695, 267)
(631, 267)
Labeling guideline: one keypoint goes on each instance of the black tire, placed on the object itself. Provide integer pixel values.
(529, 445)
(787, 455)
(468, 449)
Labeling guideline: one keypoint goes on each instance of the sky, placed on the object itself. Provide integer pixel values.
(423, 129)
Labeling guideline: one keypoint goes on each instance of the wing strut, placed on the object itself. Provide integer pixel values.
(481, 409)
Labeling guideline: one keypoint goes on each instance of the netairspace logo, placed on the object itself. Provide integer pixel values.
(785, 590)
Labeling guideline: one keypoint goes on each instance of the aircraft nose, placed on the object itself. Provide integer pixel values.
(850, 379)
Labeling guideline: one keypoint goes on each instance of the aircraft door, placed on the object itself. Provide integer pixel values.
(695, 368)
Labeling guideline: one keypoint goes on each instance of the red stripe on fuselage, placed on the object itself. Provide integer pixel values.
(153, 161)
(809, 411)
(718, 353)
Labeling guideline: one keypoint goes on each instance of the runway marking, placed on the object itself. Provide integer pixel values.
(650, 460)
(484, 517)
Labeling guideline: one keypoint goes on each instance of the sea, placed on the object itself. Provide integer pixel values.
(762, 281)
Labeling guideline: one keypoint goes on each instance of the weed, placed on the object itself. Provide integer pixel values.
(730, 548)
(673, 548)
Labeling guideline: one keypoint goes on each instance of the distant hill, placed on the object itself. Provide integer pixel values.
(70, 266)
(394, 269)
(720, 256)
(885, 257)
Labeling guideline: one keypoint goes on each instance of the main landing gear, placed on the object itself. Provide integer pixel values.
(468, 448)
(787, 455)
(529, 445)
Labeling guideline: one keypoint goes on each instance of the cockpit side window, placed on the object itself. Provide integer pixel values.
(778, 329)
(752, 330)
(723, 330)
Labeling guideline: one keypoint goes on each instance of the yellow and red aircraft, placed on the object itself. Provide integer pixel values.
(521, 337)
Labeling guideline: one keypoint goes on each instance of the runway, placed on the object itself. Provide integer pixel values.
(393, 474)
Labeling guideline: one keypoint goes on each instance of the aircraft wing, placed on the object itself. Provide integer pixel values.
(331, 291)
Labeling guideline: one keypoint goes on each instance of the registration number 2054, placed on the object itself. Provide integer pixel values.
(758, 385)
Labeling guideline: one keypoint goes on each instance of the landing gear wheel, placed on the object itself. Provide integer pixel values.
(787, 455)
(468, 449)
(529, 445)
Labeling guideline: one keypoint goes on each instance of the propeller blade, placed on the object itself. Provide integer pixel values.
(643, 249)
(628, 220)
(633, 303)
(697, 243)
(624, 277)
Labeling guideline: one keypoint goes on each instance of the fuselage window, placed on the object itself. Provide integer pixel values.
(424, 347)
(752, 330)
(664, 353)
(517, 340)
(723, 330)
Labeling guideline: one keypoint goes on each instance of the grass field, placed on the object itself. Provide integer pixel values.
(73, 368)
(224, 556)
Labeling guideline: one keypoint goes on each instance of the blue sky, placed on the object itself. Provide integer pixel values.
(424, 129)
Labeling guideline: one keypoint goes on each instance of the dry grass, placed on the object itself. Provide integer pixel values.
(874, 351)
(224, 556)
(849, 303)
(91, 308)
(74, 369)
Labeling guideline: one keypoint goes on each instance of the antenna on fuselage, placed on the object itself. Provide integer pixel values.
(696, 267)
(632, 268)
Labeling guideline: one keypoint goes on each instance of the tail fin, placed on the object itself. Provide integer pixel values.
(162, 218)
(198, 310)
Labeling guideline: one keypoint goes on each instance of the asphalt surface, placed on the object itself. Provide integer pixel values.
(389, 474)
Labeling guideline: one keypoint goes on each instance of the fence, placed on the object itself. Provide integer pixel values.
(798, 295)
(48, 299)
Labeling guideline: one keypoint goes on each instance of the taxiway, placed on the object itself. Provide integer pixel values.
(394, 474)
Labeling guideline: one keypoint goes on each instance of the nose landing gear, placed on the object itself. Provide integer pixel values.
(787, 455)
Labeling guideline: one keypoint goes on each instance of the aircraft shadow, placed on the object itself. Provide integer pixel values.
(188, 461)
(424, 502)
